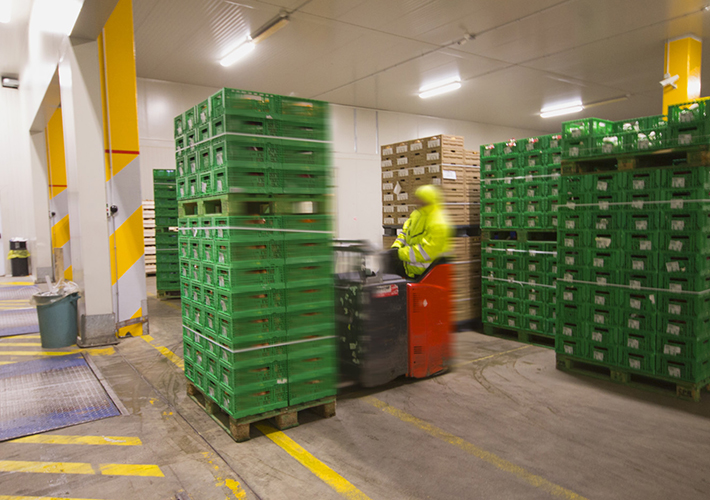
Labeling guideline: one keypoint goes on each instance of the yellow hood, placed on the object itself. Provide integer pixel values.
(429, 194)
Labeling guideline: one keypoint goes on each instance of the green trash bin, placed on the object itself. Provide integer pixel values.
(58, 325)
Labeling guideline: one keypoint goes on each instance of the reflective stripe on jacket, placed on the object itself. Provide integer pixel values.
(425, 235)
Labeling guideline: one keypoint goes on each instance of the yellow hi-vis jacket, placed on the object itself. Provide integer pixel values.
(425, 235)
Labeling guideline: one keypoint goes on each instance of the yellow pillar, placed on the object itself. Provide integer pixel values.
(683, 58)
(120, 107)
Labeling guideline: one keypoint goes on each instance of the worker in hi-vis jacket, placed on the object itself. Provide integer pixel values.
(425, 236)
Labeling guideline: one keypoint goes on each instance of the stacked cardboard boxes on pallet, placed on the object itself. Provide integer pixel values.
(634, 246)
(256, 261)
(440, 160)
(167, 277)
(519, 203)
(149, 236)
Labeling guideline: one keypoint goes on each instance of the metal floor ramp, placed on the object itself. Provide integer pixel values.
(46, 394)
(17, 316)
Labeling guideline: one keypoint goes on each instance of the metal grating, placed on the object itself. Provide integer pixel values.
(47, 394)
(18, 322)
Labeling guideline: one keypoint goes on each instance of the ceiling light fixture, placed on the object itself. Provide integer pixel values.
(241, 51)
(440, 88)
(249, 43)
(5, 11)
(10, 83)
(562, 109)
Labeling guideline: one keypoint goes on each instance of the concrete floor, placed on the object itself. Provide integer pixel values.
(504, 424)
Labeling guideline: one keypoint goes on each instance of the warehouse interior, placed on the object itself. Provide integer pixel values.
(197, 205)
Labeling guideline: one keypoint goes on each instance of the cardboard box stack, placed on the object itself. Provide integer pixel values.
(440, 160)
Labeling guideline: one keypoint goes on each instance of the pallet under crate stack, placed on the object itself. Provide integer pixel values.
(167, 275)
(634, 288)
(440, 160)
(256, 258)
(519, 203)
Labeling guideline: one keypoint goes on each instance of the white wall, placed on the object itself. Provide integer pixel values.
(357, 136)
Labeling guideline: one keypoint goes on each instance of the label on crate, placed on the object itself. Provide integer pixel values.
(675, 246)
(569, 242)
(510, 294)
(602, 186)
(634, 324)
(449, 175)
(531, 194)
(568, 296)
(219, 157)
(533, 325)
(603, 205)
(571, 205)
(566, 331)
(635, 284)
(602, 224)
(569, 260)
(532, 268)
(641, 225)
(193, 167)
(568, 277)
(672, 267)
(492, 319)
(434, 169)
(603, 242)
(204, 187)
(532, 311)
(678, 182)
(635, 363)
(533, 281)
(434, 143)
(678, 225)
(674, 371)
(221, 281)
(432, 156)
(672, 350)
(597, 337)
(673, 329)
(635, 304)
(387, 186)
(208, 301)
(674, 309)
(402, 196)
(532, 162)
(600, 300)
(599, 318)
(676, 204)
(386, 163)
(570, 224)
(511, 322)
(403, 172)
(387, 175)
(555, 192)
(387, 151)
(532, 297)
(401, 149)
(574, 151)
(509, 223)
(418, 170)
(639, 184)
(645, 245)
(638, 265)
(402, 161)
(510, 164)
(601, 280)
(685, 139)
(637, 204)
(532, 208)
(599, 355)
(644, 144)
(675, 287)
(192, 190)
(510, 266)
(569, 349)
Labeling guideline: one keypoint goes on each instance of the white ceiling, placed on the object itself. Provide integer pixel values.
(378, 53)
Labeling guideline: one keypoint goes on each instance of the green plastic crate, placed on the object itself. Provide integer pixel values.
(637, 360)
(248, 253)
(245, 152)
(264, 180)
(680, 264)
(683, 369)
(315, 271)
(230, 325)
(684, 326)
(304, 153)
(242, 102)
(245, 278)
(686, 241)
(578, 129)
(688, 113)
(641, 261)
(684, 177)
(242, 302)
(254, 399)
(575, 347)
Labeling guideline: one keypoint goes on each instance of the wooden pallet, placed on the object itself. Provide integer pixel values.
(240, 428)
(649, 382)
(168, 294)
(524, 336)
(691, 156)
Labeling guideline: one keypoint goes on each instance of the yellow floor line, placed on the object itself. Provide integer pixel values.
(235, 488)
(20, 344)
(94, 352)
(14, 497)
(22, 336)
(165, 352)
(489, 357)
(80, 468)
(325, 473)
(130, 470)
(486, 456)
(7, 362)
(94, 440)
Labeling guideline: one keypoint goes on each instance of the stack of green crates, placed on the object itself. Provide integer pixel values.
(166, 238)
(520, 183)
(256, 259)
(648, 233)
(689, 123)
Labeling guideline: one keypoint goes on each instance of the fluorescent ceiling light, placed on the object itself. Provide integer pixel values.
(56, 16)
(5, 11)
(562, 109)
(269, 28)
(439, 88)
(242, 50)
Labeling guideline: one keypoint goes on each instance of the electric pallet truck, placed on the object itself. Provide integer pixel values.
(389, 326)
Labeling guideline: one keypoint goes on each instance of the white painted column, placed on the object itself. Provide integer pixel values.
(42, 256)
(79, 80)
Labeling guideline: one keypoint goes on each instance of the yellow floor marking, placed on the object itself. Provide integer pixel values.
(32, 336)
(6, 362)
(13, 497)
(62, 439)
(486, 456)
(165, 352)
(489, 357)
(17, 283)
(20, 344)
(94, 352)
(46, 467)
(235, 488)
(130, 470)
(325, 473)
